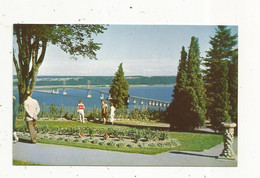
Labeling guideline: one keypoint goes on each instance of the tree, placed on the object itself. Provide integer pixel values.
(221, 105)
(221, 77)
(176, 111)
(32, 41)
(119, 89)
(196, 96)
(233, 85)
(187, 110)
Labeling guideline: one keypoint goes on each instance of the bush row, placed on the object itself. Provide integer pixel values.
(169, 143)
(131, 133)
(138, 113)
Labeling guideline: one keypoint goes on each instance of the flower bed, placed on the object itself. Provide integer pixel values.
(131, 137)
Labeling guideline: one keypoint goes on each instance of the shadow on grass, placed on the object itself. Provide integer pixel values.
(193, 154)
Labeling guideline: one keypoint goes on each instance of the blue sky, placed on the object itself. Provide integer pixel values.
(147, 50)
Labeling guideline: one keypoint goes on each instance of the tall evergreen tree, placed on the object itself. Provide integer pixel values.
(233, 85)
(196, 96)
(221, 105)
(176, 110)
(119, 89)
(221, 70)
(187, 110)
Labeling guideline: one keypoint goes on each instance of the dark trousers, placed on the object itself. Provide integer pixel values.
(31, 128)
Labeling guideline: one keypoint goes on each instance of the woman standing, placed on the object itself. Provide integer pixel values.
(81, 108)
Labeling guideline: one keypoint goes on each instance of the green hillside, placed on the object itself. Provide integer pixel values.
(100, 80)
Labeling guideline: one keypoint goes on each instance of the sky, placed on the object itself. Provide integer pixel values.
(147, 50)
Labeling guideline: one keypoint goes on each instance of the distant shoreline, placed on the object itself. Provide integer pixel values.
(15, 88)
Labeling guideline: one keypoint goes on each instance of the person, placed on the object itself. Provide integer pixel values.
(81, 108)
(104, 111)
(112, 113)
(32, 109)
(16, 139)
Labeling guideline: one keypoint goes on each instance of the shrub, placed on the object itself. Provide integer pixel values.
(110, 131)
(92, 115)
(122, 144)
(142, 145)
(112, 143)
(160, 144)
(67, 139)
(101, 131)
(38, 129)
(131, 145)
(103, 142)
(164, 136)
(96, 141)
(147, 136)
(131, 133)
(168, 144)
(53, 137)
(53, 111)
(137, 137)
(91, 132)
(86, 140)
(61, 138)
(152, 145)
(77, 139)
(175, 142)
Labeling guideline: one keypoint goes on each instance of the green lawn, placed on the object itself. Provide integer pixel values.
(189, 141)
(196, 141)
(64, 124)
(142, 123)
(20, 162)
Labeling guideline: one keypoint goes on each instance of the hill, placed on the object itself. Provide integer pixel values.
(100, 80)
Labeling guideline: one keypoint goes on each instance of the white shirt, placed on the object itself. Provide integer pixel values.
(32, 108)
(112, 110)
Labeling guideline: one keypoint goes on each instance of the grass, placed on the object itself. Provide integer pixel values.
(21, 162)
(64, 124)
(142, 123)
(196, 141)
(189, 141)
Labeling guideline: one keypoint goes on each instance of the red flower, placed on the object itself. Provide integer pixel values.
(81, 134)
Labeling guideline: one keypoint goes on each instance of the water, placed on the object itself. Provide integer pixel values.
(162, 93)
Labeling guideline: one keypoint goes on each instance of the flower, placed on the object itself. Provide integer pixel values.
(81, 134)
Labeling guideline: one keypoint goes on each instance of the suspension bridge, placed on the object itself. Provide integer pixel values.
(104, 95)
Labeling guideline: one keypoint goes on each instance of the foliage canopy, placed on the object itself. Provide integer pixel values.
(221, 77)
(32, 41)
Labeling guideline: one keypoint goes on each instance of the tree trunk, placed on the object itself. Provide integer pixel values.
(27, 64)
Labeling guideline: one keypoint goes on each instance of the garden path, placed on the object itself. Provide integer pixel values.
(46, 154)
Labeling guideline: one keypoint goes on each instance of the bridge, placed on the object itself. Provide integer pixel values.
(104, 95)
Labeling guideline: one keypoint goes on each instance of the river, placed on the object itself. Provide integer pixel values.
(162, 93)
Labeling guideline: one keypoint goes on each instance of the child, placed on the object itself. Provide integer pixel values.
(81, 108)
(112, 113)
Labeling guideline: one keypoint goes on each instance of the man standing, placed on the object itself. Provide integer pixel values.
(32, 109)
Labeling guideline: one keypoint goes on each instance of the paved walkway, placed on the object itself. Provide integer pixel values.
(71, 156)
